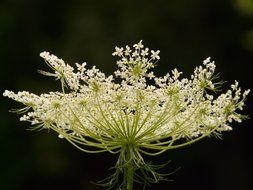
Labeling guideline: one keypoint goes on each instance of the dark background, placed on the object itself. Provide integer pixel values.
(185, 31)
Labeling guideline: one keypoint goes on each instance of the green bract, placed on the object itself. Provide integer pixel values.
(141, 114)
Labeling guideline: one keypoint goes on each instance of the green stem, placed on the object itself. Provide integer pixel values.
(130, 177)
(129, 170)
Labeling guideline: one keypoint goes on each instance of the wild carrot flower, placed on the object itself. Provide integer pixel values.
(141, 114)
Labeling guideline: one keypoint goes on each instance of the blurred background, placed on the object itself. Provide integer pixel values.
(185, 31)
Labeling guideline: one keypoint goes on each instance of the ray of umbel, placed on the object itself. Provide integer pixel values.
(140, 115)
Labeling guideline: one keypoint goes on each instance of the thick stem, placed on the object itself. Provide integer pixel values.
(129, 177)
(129, 170)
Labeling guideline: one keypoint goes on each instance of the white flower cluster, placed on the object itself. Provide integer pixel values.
(134, 64)
(165, 113)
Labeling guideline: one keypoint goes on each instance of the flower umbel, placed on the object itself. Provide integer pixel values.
(141, 114)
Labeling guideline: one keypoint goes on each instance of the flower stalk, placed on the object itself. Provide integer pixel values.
(129, 171)
(142, 114)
